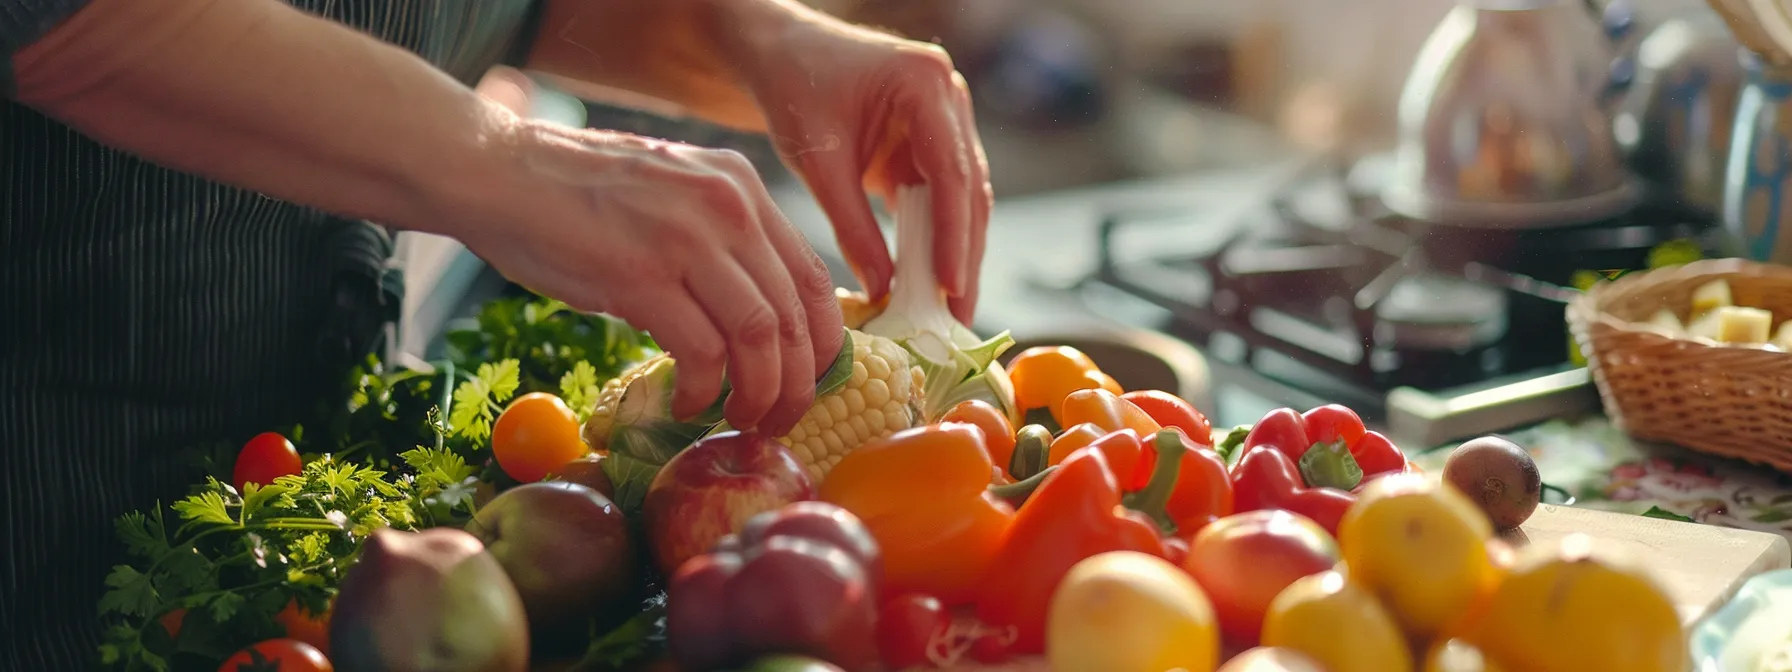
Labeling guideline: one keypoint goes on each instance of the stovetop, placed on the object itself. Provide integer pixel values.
(1327, 291)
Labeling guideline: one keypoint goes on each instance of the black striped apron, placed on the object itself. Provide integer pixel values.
(143, 310)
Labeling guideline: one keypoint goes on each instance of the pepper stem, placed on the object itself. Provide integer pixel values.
(1016, 493)
(1032, 452)
(1153, 500)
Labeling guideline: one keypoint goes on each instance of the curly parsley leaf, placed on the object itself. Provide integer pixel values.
(477, 400)
(579, 389)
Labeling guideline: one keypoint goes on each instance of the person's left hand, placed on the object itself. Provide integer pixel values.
(850, 110)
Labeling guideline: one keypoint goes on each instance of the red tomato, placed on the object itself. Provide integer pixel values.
(1170, 410)
(536, 435)
(1244, 560)
(266, 457)
(302, 625)
(278, 655)
(1332, 422)
(906, 627)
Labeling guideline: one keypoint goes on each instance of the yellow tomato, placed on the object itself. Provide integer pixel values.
(1124, 611)
(1421, 547)
(1337, 623)
(1572, 607)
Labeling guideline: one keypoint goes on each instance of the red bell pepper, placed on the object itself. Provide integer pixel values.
(1266, 479)
(1202, 490)
(1078, 511)
(1330, 427)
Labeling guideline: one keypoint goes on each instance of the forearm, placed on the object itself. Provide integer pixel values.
(259, 95)
(687, 52)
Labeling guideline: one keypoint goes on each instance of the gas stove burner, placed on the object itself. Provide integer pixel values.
(1434, 312)
(1332, 281)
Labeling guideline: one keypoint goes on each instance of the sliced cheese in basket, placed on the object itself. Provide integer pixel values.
(1709, 297)
(1734, 324)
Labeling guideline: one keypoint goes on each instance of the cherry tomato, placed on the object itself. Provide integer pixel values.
(1170, 410)
(264, 458)
(535, 435)
(278, 655)
(1332, 422)
(998, 433)
(1377, 455)
(1244, 560)
(906, 627)
(304, 626)
(1044, 375)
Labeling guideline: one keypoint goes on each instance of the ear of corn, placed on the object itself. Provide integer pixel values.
(871, 391)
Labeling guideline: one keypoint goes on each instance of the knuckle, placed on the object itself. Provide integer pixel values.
(727, 204)
(704, 353)
(793, 329)
(731, 162)
(813, 279)
(758, 329)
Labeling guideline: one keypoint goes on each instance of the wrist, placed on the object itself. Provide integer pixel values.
(746, 32)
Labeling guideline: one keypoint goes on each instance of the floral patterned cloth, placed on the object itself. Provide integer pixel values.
(1590, 462)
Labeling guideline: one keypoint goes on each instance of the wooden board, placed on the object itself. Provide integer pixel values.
(1701, 566)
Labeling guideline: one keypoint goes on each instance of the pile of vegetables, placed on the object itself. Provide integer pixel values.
(533, 501)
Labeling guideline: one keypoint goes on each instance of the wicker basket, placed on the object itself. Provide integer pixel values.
(1724, 400)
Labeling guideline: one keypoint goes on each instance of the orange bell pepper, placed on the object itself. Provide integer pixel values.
(923, 494)
(1076, 512)
(1043, 376)
(1107, 411)
(1073, 439)
(998, 434)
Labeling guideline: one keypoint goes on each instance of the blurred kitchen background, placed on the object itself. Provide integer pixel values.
(1212, 182)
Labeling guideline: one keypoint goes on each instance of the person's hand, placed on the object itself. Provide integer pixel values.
(851, 109)
(680, 241)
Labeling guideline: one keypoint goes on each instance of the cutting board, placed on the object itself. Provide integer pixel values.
(1700, 566)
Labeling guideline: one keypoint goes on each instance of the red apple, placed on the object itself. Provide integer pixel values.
(710, 490)
(1244, 560)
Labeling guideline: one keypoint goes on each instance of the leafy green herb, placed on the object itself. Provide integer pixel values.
(579, 389)
(630, 642)
(237, 560)
(228, 562)
(548, 339)
(1664, 514)
(478, 400)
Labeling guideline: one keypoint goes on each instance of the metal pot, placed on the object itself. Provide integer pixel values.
(1505, 120)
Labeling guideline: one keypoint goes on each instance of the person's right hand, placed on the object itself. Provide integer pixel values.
(680, 241)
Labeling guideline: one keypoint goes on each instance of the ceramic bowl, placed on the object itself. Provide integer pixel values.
(1756, 621)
